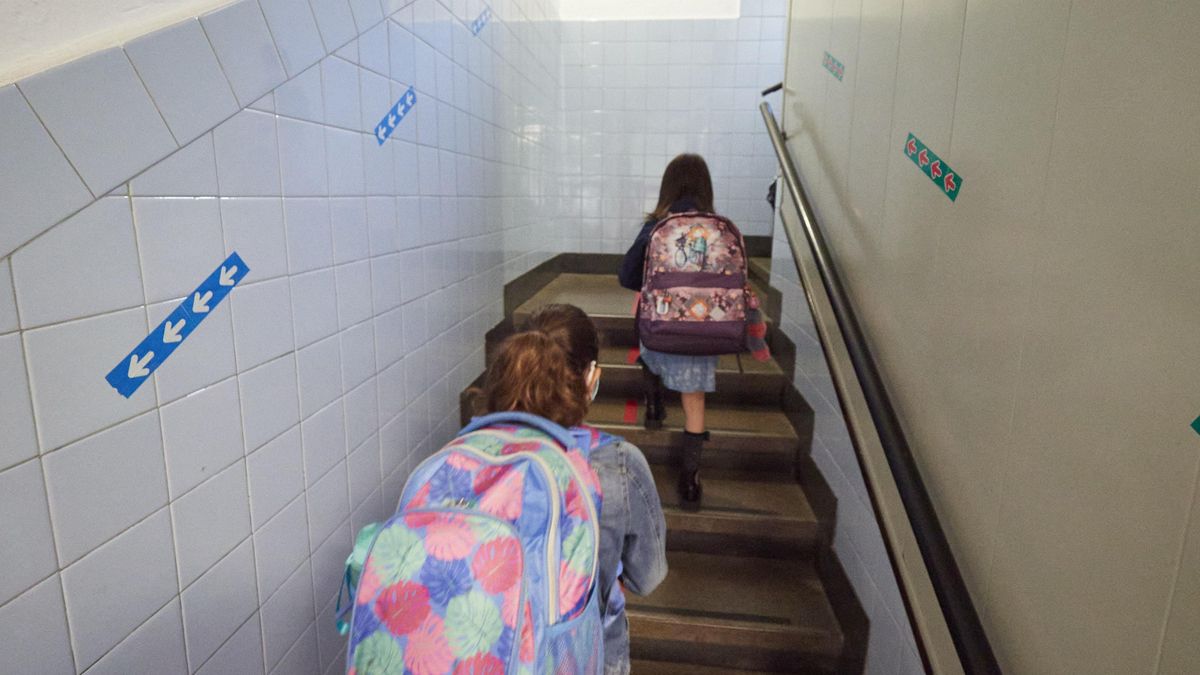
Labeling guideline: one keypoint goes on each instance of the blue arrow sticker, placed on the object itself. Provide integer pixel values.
(390, 121)
(481, 21)
(1196, 425)
(136, 367)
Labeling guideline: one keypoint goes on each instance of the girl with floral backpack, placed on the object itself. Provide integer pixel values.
(494, 561)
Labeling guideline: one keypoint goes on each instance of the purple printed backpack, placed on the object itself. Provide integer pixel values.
(694, 290)
(489, 564)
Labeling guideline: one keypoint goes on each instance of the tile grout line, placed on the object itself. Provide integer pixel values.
(153, 104)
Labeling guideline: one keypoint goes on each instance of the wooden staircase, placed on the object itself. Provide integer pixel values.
(747, 587)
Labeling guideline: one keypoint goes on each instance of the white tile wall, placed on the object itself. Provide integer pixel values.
(292, 414)
(637, 93)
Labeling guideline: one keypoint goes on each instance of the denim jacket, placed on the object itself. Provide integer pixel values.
(633, 541)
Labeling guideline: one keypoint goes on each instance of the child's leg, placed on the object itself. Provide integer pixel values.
(693, 411)
(693, 445)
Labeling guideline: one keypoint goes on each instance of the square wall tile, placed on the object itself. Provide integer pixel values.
(348, 220)
(219, 602)
(206, 358)
(344, 152)
(8, 298)
(308, 234)
(324, 438)
(190, 171)
(302, 158)
(301, 97)
(367, 13)
(36, 618)
(180, 242)
(391, 390)
(329, 567)
(286, 537)
(124, 132)
(179, 68)
(29, 554)
(242, 653)
(105, 483)
(362, 413)
(373, 50)
(248, 155)
(328, 504)
(276, 473)
(16, 410)
(67, 364)
(353, 293)
(83, 266)
(239, 35)
(335, 22)
(102, 606)
(156, 646)
(254, 229)
(364, 471)
(295, 32)
(210, 521)
(202, 435)
(262, 322)
(314, 306)
(270, 402)
(358, 354)
(38, 187)
(340, 80)
(320, 368)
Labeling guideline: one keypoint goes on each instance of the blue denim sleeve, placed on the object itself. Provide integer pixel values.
(645, 551)
(632, 266)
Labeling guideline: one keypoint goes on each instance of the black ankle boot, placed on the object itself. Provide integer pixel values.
(690, 488)
(653, 396)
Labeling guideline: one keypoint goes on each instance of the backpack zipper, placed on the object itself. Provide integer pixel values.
(589, 505)
(552, 543)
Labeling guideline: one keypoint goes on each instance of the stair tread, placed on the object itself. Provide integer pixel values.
(618, 357)
(600, 295)
(710, 599)
(645, 667)
(721, 419)
(737, 497)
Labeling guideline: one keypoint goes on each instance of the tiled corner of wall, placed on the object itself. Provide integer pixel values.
(637, 93)
(233, 482)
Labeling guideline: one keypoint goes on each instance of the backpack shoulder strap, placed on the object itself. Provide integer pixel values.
(564, 437)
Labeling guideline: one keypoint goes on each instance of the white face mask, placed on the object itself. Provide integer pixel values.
(596, 386)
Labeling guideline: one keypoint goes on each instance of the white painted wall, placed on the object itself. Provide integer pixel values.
(38, 34)
(1038, 335)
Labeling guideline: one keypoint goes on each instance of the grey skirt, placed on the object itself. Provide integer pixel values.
(683, 372)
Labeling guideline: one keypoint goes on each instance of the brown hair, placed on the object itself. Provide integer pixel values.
(686, 177)
(543, 370)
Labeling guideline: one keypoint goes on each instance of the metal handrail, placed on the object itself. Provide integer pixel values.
(935, 596)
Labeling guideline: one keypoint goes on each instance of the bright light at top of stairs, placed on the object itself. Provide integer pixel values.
(641, 10)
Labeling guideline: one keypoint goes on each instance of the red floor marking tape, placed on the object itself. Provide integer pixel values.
(632, 358)
(631, 407)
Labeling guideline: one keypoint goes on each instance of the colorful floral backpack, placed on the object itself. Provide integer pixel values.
(695, 297)
(489, 565)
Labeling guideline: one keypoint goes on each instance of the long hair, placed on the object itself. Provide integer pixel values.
(686, 177)
(573, 330)
(531, 373)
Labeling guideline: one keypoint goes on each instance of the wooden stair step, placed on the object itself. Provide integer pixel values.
(644, 667)
(737, 612)
(741, 513)
(739, 378)
(742, 436)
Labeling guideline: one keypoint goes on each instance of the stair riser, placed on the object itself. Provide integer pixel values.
(739, 545)
(755, 389)
(725, 656)
(746, 453)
